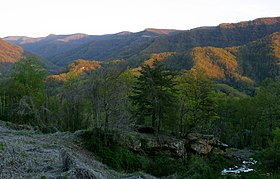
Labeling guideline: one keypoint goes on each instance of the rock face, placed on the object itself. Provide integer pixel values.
(138, 141)
(194, 143)
(25, 153)
(204, 144)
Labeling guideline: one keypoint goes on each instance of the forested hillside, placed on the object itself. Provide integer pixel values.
(64, 49)
(52, 44)
(238, 65)
(10, 54)
(224, 35)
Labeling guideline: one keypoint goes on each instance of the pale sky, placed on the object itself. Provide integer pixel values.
(37, 18)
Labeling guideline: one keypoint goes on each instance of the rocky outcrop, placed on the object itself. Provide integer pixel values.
(205, 144)
(136, 141)
(180, 147)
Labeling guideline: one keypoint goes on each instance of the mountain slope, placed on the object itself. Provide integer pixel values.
(63, 49)
(118, 46)
(237, 66)
(224, 35)
(215, 62)
(252, 62)
(75, 69)
(52, 44)
(156, 40)
(10, 53)
(260, 59)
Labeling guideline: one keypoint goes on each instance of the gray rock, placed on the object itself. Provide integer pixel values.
(205, 144)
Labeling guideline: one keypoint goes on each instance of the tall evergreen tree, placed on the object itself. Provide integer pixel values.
(153, 95)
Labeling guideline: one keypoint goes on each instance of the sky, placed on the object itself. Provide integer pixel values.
(36, 18)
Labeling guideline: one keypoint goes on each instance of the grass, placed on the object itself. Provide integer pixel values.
(2, 147)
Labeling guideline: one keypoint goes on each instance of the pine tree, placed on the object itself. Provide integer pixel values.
(153, 95)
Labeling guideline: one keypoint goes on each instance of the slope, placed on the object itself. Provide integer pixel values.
(250, 63)
(157, 41)
(224, 35)
(52, 44)
(260, 59)
(75, 69)
(10, 53)
(63, 49)
(121, 45)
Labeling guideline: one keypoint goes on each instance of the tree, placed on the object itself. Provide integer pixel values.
(271, 155)
(25, 91)
(69, 102)
(269, 103)
(108, 90)
(197, 107)
(153, 95)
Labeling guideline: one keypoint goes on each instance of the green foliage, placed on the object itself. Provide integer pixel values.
(197, 107)
(157, 164)
(28, 77)
(271, 155)
(153, 95)
(162, 165)
(23, 95)
(2, 147)
(229, 91)
(199, 167)
(248, 121)
(118, 158)
(180, 61)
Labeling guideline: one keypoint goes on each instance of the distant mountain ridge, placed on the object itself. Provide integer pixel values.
(54, 45)
(115, 47)
(224, 35)
(64, 49)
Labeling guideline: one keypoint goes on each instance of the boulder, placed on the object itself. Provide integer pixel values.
(201, 147)
(205, 144)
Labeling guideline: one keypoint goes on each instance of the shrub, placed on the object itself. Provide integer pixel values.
(198, 167)
(271, 155)
(116, 157)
